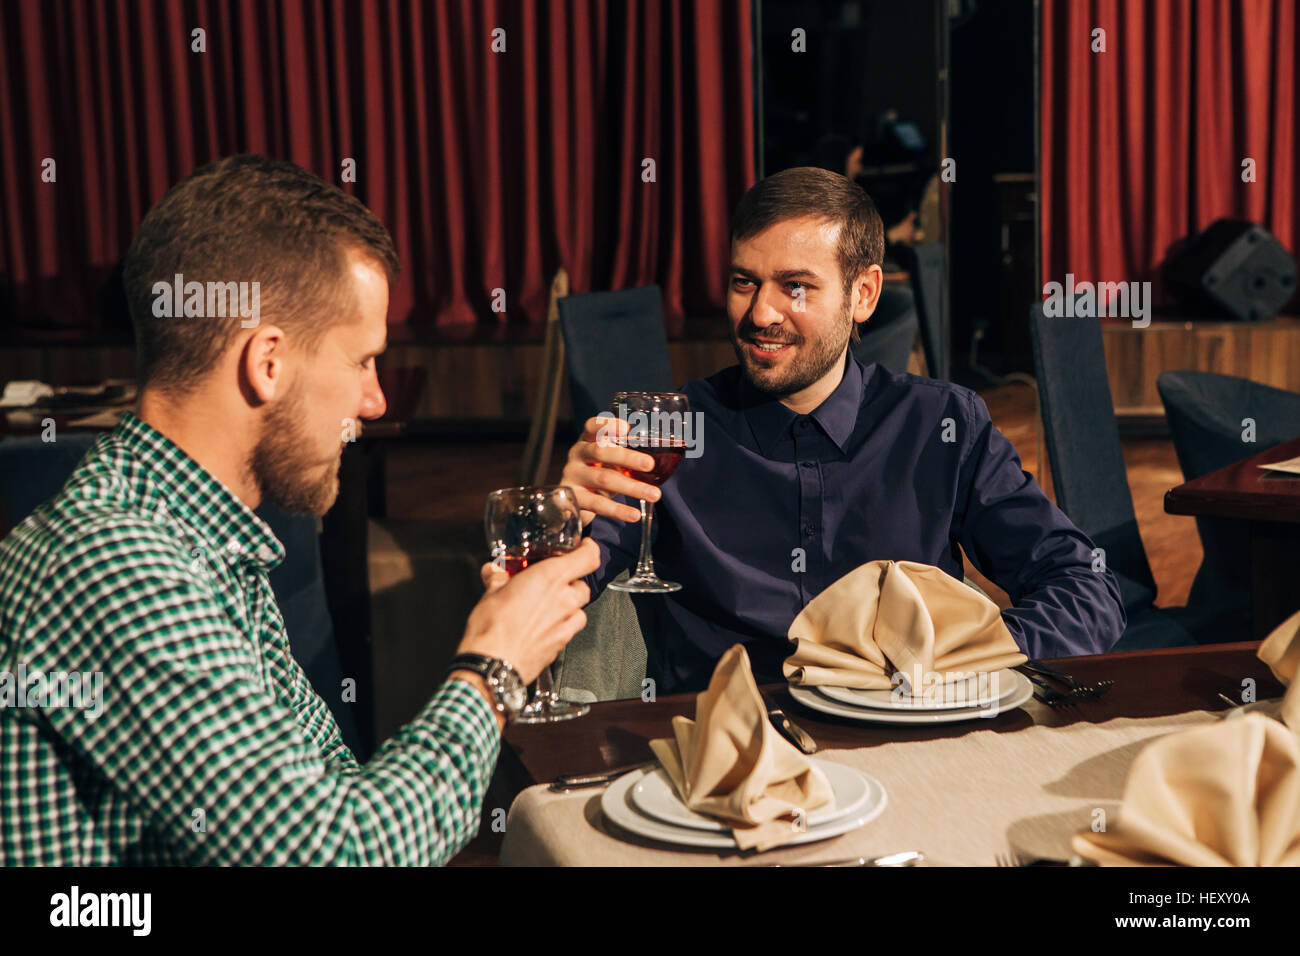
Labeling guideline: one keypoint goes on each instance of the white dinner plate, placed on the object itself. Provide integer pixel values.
(616, 803)
(655, 796)
(813, 700)
(960, 695)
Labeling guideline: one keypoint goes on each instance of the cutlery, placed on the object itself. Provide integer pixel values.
(790, 730)
(577, 781)
(1012, 859)
(907, 858)
(1077, 687)
(1050, 695)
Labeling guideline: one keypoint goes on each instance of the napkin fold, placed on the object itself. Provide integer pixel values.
(730, 762)
(1281, 652)
(887, 617)
(1224, 795)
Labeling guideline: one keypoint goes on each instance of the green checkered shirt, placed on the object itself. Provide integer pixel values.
(211, 747)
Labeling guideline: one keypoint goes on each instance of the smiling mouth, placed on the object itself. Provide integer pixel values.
(762, 347)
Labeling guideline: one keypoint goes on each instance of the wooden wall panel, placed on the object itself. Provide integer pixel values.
(1266, 352)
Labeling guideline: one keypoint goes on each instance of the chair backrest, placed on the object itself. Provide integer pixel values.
(606, 660)
(614, 342)
(1084, 449)
(927, 264)
(888, 336)
(541, 432)
(1206, 414)
(32, 470)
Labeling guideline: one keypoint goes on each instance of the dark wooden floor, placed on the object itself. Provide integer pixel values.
(451, 479)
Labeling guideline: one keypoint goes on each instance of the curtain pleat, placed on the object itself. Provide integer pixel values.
(1143, 145)
(491, 170)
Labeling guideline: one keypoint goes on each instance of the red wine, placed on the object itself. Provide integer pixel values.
(666, 453)
(515, 562)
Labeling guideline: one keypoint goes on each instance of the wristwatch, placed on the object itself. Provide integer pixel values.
(509, 693)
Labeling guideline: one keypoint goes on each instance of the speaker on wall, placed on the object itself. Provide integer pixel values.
(1234, 269)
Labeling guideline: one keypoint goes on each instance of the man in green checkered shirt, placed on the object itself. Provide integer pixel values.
(207, 745)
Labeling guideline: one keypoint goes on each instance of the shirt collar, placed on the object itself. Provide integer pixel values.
(770, 421)
(193, 495)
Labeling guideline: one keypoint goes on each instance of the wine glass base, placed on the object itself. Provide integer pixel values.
(551, 711)
(642, 584)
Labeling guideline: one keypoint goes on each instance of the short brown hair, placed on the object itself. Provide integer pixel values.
(809, 191)
(245, 219)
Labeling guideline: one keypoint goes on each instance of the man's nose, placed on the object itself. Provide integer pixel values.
(373, 403)
(766, 309)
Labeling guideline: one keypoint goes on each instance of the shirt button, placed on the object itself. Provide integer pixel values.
(233, 546)
(264, 552)
(809, 530)
(807, 464)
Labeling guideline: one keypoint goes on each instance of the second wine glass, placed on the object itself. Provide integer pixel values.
(658, 426)
(524, 526)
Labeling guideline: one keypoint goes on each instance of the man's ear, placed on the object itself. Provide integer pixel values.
(866, 292)
(262, 367)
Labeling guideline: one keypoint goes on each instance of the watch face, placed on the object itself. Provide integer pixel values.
(513, 692)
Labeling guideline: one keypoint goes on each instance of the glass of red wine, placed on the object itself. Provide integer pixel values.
(524, 526)
(658, 427)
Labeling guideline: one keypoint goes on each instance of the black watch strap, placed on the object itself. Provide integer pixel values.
(478, 663)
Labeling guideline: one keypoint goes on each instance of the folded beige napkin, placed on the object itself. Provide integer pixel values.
(731, 763)
(1281, 652)
(898, 616)
(1224, 795)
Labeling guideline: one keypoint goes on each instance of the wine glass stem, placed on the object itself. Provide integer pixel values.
(545, 689)
(645, 565)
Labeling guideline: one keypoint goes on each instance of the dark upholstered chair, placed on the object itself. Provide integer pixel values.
(1088, 473)
(613, 342)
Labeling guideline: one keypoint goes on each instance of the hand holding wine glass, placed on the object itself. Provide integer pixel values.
(657, 430)
(528, 618)
(525, 527)
(616, 472)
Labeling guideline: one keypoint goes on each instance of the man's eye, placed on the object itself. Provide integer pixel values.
(798, 285)
(741, 283)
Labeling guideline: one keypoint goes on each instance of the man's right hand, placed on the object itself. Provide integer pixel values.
(527, 619)
(592, 472)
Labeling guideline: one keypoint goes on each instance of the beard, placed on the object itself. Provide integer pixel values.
(812, 361)
(282, 467)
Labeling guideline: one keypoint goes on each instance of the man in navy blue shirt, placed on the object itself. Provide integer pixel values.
(813, 464)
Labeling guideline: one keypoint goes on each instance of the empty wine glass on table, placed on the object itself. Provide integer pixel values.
(524, 526)
(658, 427)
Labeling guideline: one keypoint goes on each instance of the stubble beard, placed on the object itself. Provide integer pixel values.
(806, 369)
(287, 477)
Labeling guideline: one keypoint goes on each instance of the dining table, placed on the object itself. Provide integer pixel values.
(1014, 786)
(1268, 502)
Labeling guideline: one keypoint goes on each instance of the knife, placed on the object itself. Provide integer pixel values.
(909, 858)
(576, 781)
(791, 731)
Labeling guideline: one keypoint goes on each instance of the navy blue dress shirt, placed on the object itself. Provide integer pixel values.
(778, 506)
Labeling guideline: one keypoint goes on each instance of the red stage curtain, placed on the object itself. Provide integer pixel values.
(1143, 145)
(491, 169)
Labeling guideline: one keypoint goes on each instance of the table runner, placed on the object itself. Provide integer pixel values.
(959, 800)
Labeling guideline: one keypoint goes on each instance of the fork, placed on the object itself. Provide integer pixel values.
(1050, 695)
(1077, 687)
(1011, 859)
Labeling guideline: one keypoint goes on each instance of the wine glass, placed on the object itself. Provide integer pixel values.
(524, 526)
(657, 426)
